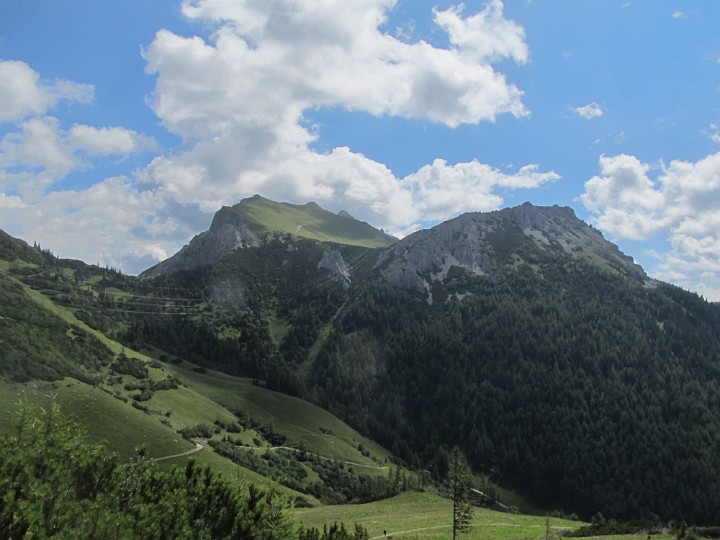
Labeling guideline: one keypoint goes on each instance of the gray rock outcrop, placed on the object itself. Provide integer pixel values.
(483, 244)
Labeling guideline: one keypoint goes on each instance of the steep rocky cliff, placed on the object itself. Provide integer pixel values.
(228, 231)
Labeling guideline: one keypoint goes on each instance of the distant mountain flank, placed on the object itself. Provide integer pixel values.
(481, 244)
(256, 220)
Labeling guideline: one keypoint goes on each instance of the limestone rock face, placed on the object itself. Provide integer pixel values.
(227, 232)
(488, 243)
(340, 271)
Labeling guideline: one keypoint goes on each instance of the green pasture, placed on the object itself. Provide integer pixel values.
(188, 408)
(429, 517)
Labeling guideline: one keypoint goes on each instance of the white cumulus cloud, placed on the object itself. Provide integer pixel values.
(22, 93)
(108, 140)
(47, 153)
(238, 100)
(635, 200)
(589, 111)
(487, 36)
(440, 190)
(237, 97)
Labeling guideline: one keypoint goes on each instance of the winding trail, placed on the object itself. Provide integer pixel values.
(410, 531)
(197, 448)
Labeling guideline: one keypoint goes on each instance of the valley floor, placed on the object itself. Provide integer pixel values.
(427, 516)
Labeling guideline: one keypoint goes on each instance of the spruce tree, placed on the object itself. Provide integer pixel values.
(460, 491)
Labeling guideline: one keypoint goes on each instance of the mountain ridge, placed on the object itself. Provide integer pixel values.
(482, 243)
(520, 335)
(474, 241)
(257, 220)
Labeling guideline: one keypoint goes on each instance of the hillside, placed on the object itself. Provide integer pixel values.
(126, 399)
(551, 358)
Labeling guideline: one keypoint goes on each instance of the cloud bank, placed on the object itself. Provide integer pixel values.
(635, 200)
(238, 100)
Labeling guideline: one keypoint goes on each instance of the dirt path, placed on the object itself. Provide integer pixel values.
(197, 448)
(392, 534)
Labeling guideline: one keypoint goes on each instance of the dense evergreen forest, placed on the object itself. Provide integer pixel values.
(577, 386)
(585, 393)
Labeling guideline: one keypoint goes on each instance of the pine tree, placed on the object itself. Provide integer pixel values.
(459, 490)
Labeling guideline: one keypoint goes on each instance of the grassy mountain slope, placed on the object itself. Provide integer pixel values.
(130, 398)
(264, 216)
(303, 423)
(106, 419)
(428, 516)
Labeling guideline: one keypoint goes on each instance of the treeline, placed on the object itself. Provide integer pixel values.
(34, 344)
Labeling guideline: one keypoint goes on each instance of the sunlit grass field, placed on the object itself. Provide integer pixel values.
(429, 517)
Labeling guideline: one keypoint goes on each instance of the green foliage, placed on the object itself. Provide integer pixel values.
(126, 365)
(460, 486)
(55, 484)
(603, 527)
(338, 483)
(201, 430)
(34, 344)
(571, 384)
(334, 532)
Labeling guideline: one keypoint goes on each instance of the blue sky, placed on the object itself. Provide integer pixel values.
(125, 125)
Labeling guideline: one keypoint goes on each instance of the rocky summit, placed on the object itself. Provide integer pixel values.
(488, 244)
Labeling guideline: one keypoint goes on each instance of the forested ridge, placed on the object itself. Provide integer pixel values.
(592, 395)
(584, 388)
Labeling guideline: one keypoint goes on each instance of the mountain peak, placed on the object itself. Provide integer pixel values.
(256, 220)
(493, 243)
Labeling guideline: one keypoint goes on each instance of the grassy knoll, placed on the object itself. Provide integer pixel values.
(428, 516)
